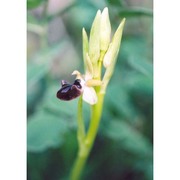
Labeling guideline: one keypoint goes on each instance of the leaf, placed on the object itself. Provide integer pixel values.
(64, 109)
(128, 138)
(135, 11)
(34, 3)
(34, 95)
(134, 67)
(53, 105)
(39, 65)
(44, 131)
(139, 84)
(136, 47)
(52, 120)
(141, 65)
(118, 99)
(37, 69)
(115, 2)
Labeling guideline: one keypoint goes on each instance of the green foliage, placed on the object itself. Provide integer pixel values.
(48, 126)
(116, 2)
(128, 138)
(53, 119)
(123, 148)
(44, 131)
(38, 68)
(135, 12)
(34, 3)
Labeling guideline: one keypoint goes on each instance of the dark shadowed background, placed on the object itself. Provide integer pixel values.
(123, 147)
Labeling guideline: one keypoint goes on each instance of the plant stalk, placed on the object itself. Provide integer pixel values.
(87, 143)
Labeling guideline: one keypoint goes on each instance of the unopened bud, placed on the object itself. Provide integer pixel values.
(94, 41)
(105, 30)
(111, 55)
(85, 44)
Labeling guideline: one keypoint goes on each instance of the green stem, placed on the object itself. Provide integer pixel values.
(78, 166)
(81, 128)
(94, 123)
(87, 143)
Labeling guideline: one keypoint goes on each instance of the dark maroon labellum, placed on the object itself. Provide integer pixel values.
(69, 91)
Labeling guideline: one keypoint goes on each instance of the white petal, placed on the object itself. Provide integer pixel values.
(89, 95)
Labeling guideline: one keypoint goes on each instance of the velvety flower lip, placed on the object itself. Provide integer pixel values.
(69, 91)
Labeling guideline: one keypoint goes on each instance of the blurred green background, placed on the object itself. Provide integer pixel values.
(123, 149)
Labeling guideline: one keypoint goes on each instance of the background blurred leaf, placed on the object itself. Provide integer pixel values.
(128, 138)
(142, 66)
(134, 12)
(131, 157)
(116, 2)
(55, 114)
(121, 103)
(45, 131)
(37, 69)
(34, 3)
(140, 85)
(39, 65)
(53, 105)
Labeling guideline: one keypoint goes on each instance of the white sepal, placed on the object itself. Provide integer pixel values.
(89, 95)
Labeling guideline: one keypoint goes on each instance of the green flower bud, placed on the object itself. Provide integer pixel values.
(86, 58)
(94, 41)
(85, 43)
(105, 30)
(108, 56)
(111, 56)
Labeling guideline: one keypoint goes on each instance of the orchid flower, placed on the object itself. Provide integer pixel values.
(98, 51)
(87, 83)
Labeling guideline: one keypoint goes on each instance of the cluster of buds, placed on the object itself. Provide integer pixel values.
(98, 50)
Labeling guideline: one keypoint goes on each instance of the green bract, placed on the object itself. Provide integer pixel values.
(105, 30)
(94, 40)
